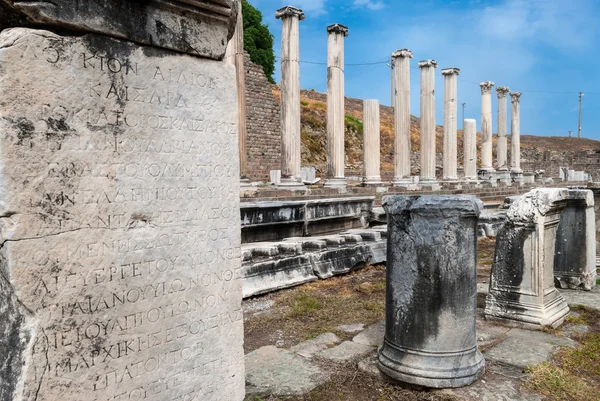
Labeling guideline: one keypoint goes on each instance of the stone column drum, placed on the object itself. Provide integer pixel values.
(470, 149)
(431, 288)
(371, 145)
(428, 156)
(401, 62)
(486, 130)
(335, 106)
(501, 146)
(235, 56)
(575, 252)
(515, 137)
(450, 146)
(522, 290)
(291, 175)
(119, 279)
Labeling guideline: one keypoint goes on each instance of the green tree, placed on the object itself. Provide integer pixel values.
(258, 40)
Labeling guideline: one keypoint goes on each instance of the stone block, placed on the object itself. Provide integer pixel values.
(522, 288)
(119, 197)
(199, 27)
(310, 347)
(575, 249)
(346, 351)
(373, 335)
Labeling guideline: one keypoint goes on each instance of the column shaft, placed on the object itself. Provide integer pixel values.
(335, 106)
(290, 96)
(428, 156)
(450, 147)
(401, 62)
(501, 149)
(371, 145)
(486, 126)
(515, 131)
(470, 149)
(235, 56)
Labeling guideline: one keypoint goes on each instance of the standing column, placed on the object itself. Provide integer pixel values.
(235, 56)
(450, 151)
(371, 156)
(428, 122)
(501, 149)
(335, 106)
(486, 130)
(470, 149)
(401, 63)
(431, 291)
(515, 137)
(290, 96)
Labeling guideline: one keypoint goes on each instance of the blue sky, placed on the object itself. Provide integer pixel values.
(548, 49)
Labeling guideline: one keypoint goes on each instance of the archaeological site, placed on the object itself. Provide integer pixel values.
(177, 226)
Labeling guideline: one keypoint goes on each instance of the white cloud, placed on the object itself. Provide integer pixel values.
(370, 4)
(311, 7)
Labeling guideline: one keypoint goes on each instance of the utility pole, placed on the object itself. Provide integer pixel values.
(463, 115)
(580, 109)
(570, 134)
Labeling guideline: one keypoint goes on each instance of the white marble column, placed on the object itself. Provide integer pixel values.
(428, 156)
(371, 143)
(501, 146)
(515, 138)
(470, 149)
(486, 127)
(335, 106)
(290, 97)
(401, 63)
(450, 146)
(235, 56)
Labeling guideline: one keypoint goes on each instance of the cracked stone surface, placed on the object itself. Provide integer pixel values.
(524, 348)
(372, 336)
(119, 222)
(310, 347)
(346, 351)
(274, 371)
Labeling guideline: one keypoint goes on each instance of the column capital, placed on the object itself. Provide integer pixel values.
(502, 91)
(427, 63)
(514, 97)
(451, 71)
(486, 87)
(290, 11)
(402, 53)
(338, 29)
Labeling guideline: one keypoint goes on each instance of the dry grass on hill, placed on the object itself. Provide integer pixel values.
(314, 132)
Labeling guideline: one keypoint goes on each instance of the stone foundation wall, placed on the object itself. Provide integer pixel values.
(263, 141)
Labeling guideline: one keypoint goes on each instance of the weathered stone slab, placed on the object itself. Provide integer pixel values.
(524, 348)
(346, 351)
(575, 250)
(431, 291)
(200, 27)
(274, 371)
(119, 197)
(372, 335)
(522, 288)
(310, 347)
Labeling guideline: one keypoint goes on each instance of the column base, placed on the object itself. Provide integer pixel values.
(292, 183)
(335, 183)
(487, 174)
(372, 182)
(503, 176)
(433, 185)
(431, 369)
(245, 183)
(517, 177)
(507, 307)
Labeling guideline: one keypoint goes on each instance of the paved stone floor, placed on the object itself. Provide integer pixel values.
(508, 351)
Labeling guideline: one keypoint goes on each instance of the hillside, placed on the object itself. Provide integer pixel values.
(314, 120)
